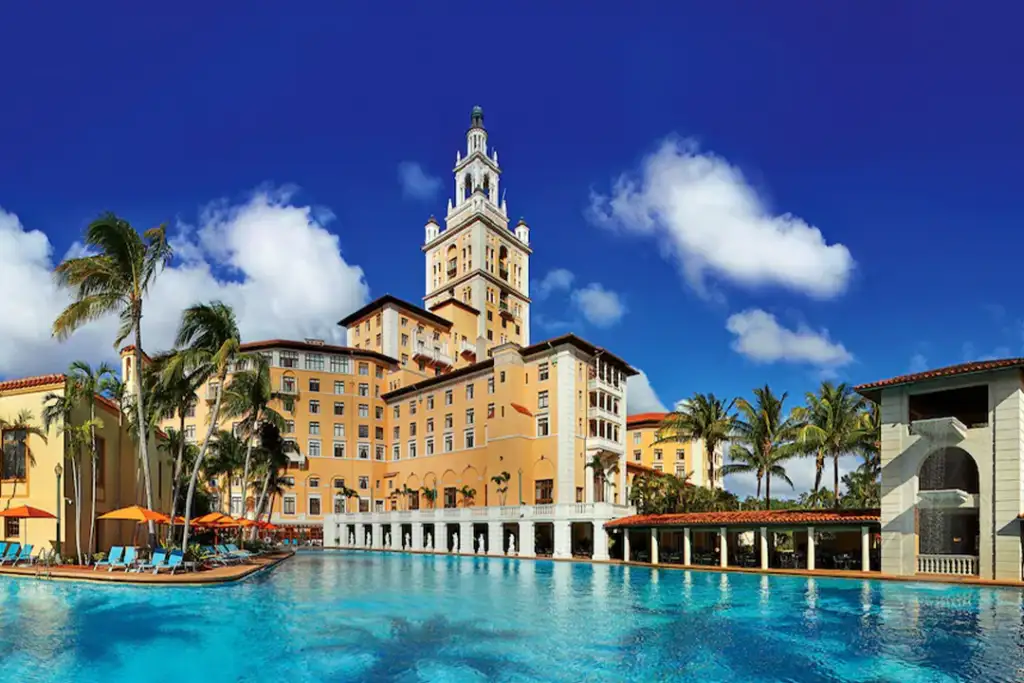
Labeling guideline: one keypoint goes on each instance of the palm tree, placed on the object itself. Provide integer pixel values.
(57, 412)
(272, 458)
(468, 494)
(429, 495)
(249, 397)
(832, 427)
(762, 440)
(702, 416)
(89, 384)
(501, 483)
(116, 279)
(406, 493)
(174, 389)
(208, 343)
(18, 456)
(605, 466)
(227, 453)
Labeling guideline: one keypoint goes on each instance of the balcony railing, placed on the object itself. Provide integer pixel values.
(955, 565)
(493, 513)
(503, 273)
(467, 348)
(291, 390)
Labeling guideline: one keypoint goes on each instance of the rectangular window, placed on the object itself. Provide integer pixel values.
(430, 425)
(396, 412)
(449, 443)
(544, 493)
(364, 482)
(378, 412)
(412, 449)
(364, 410)
(289, 359)
(405, 359)
(314, 482)
(339, 449)
(396, 452)
(636, 437)
(288, 505)
(288, 385)
(448, 397)
(542, 372)
(339, 365)
(470, 438)
(428, 446)
(364, 505)
(339, 387)
(378, 433)
(430, 402)
(12, 528)
(339, 430)
(469, 416)
(637, 456)
(490, 385)
(314, 384)
(364, 431)
(314, 407)
(314, 427)
(364, 451)
(364, 389)
(314, 448)
(364, 369)
(412, 429)
(490, 410)
(396, 433)
(448, 421)
(339, 408)
(657, 454)
(379, 453)
(542, 426)
(412, 407)
(449, 496)
(469, 391)
(542, 400)
(314, 361)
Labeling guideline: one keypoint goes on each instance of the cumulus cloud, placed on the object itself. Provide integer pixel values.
(712, 222)
(641, 397)
(417, 183)
(761, 338)
(558, 280)
(269, 258)
(600, 306)
(918, 363)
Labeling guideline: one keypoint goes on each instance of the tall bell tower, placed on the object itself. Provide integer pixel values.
(476, 259)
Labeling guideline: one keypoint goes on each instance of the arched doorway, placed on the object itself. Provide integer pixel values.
(948, 521)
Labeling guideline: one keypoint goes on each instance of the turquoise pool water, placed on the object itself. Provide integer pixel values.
(353, 616)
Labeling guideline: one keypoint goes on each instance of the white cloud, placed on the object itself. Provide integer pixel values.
(600, 306)
(713, 223)
(800, 470)
(918, 363)
(281, 270)
(415, 182)
(641, 397)
(558, 280)
(760, 338)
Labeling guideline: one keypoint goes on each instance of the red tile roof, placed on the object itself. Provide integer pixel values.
(522, 409)
(640, 467)
(644, 420)
(131, 349)
(31, 382)
(751, 518)
(873, 390)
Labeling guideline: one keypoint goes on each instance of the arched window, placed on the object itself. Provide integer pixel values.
(487, 186)
(949, 468)
(467, 187)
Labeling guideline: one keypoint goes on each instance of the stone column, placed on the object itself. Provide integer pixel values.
(600, 542)
(465, 538)
(654, 544)
(625, 544)
(810, 548)
(526, 539)
(687, 545)
(723, 547)
(396, 536)
(417, 536)
(377, 536)
(764, 547)
(865, 549)
(563, 539)
(495, 539)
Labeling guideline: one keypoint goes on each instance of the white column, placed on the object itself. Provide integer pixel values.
(600, 542)
(495, 539)
(654, 544)
(810, 548)
(377, 536)
(563, 539)
(865, 549)
(625, 544)
(417, 536)
(687, 545)
(764, 547)
(526, 539)
(465, 538)
(723, 547)
(396, 536)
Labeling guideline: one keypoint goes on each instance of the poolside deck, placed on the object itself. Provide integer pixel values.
(203, 577)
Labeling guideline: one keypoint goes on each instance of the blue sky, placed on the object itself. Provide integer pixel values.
(274, 142)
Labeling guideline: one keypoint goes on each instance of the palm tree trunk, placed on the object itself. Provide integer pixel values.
(835, 473)
(263, 496)
(759, 485)
(199, 460)
(709, 453)
(819, 469)
(178, 462)
(95, 463)
(140, 412)
(76, 484)
(245, 467)
(768, 491)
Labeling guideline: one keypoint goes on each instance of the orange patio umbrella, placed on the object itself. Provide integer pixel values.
(136, 513)
(26, 512)
(212, 519)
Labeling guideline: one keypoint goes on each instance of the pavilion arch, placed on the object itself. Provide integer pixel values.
(430, 480)
(949, 468)
(472, 477)
(449, 478)
(413, 482)
(543, 468)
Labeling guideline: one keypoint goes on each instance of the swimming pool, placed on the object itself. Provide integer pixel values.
(359, 616)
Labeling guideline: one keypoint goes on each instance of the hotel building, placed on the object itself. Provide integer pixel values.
(454, 429)
(679, 458)
(33, 465)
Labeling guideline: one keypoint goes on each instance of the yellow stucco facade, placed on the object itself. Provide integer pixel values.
(680, 458)
(29, 476)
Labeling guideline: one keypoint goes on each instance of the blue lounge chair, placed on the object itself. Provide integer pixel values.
(113, 557)
(210, 554)
(3, 548)
(127, 562)
(24, 556)
(174, 560)
(228, 555)
(159, 557)
(11, 554)
(235, 550)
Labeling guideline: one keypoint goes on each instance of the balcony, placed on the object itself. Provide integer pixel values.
(603, 443)
(596, 382)
(453, 269)
(436, 356)
(503, 273)
(467, 349)
(504, 311)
